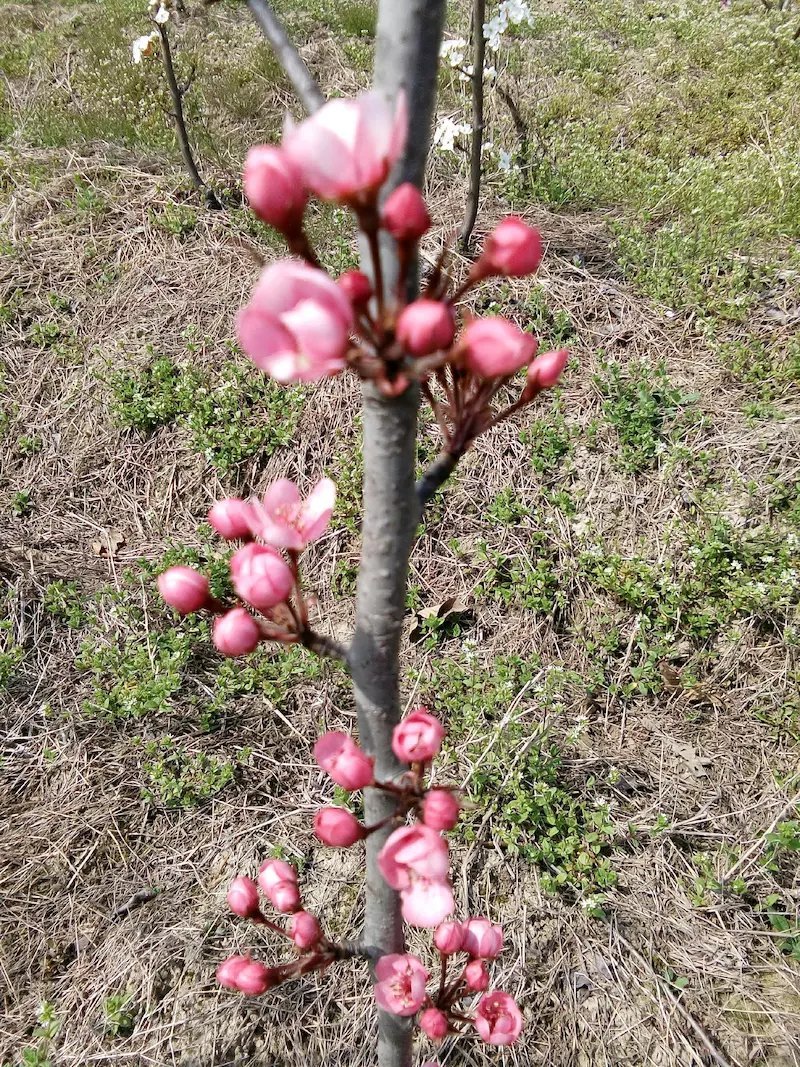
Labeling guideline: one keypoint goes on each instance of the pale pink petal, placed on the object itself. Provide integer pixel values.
(374, 138)
(317, 510)
(281, 494)
(274, 532)
(318, 334)
(400, 127)
(427, 903)
(263, 338)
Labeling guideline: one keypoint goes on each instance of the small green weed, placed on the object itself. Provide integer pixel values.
(29, 444)
(64, 600)
(507, 508)
(22, 503)
(548, 441)
(527, 581)
(119, 1014)
(643, 407)
(177, 778)
(178, 219)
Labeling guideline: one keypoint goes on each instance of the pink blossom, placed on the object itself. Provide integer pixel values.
(261, 576)
(400, 986)
(425, 326)
(284, 896)
(494, 347)
(546, 369)
(236, 633)
(449, 938)
(337, 827)
(356, 286)
(243, 897)
(418, 737)
(274, 186)
(304, 929)
(297, 324)
(347, 148)
(434, 1024)
(230, 518)
(440, 809)
(254, 978)
(283, 519)
(184, 589)
(482, 938)
(476, 976)
(498, 1020)
(405, 213)
(228, 971)
(339, 755)
(411, 853)
(426, 901)
(273, 871)
(513, 248)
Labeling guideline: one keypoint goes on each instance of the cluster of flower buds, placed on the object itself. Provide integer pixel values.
(301, 325)
(415, 861)
(278, 882)
(264, 570)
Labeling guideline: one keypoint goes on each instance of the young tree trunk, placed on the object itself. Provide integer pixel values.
(476, 150)
(409, 35)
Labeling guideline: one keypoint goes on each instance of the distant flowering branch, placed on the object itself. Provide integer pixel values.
(415, 862)
(301, 325)
(160, 13)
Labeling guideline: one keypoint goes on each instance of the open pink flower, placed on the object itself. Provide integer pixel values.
(400, 985)
(498, 1020)
(417, 737)
(339, 755)
(273, 185)
(495, 347)
(413, 852)
(297, 324)
(283, 519)
(348, 147)
(482, 938)
(261, 576)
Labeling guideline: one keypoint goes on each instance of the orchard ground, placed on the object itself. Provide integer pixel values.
(603, 603)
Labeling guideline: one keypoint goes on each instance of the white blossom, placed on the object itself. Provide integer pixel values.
(142, 47)
(509, 13)
(444, 136)
(162, 15)
(453, 51)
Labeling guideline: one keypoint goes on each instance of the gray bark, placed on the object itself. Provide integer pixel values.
(476, 152)
(303, 82)
(407, 54)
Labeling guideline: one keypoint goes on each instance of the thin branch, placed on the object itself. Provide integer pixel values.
(323, 646)
(476, 151)
(180, 122)
(303, 81)
(434, 477)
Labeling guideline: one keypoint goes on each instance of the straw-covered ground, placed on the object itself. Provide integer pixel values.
(603, 604)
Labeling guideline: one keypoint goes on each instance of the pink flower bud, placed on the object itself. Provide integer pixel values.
(433, 1023)
(514, 249)
(498, 1020)
(274, 186)
(356, 286)
(425, 326)
(418, 737)
(273, 871)
(337, 827)
(305, 929)
(229, 518)
(405, 213)
(482, 939)
(495, 347)
(261, 576)
(254, 978)
(547, 368)
(339, 755)
(184, 589)
(476, 976)
(228, 971)
(440, 809)
(236, 633)
(284, 896)
(243, 897)
(449, 938)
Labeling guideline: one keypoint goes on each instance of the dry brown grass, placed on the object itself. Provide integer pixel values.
(77, 841)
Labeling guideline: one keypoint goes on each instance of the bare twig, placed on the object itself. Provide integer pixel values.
(177, 95)
(303, 81)
(476, 151)
(141, 896)
(323, 646)
(435, 476)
